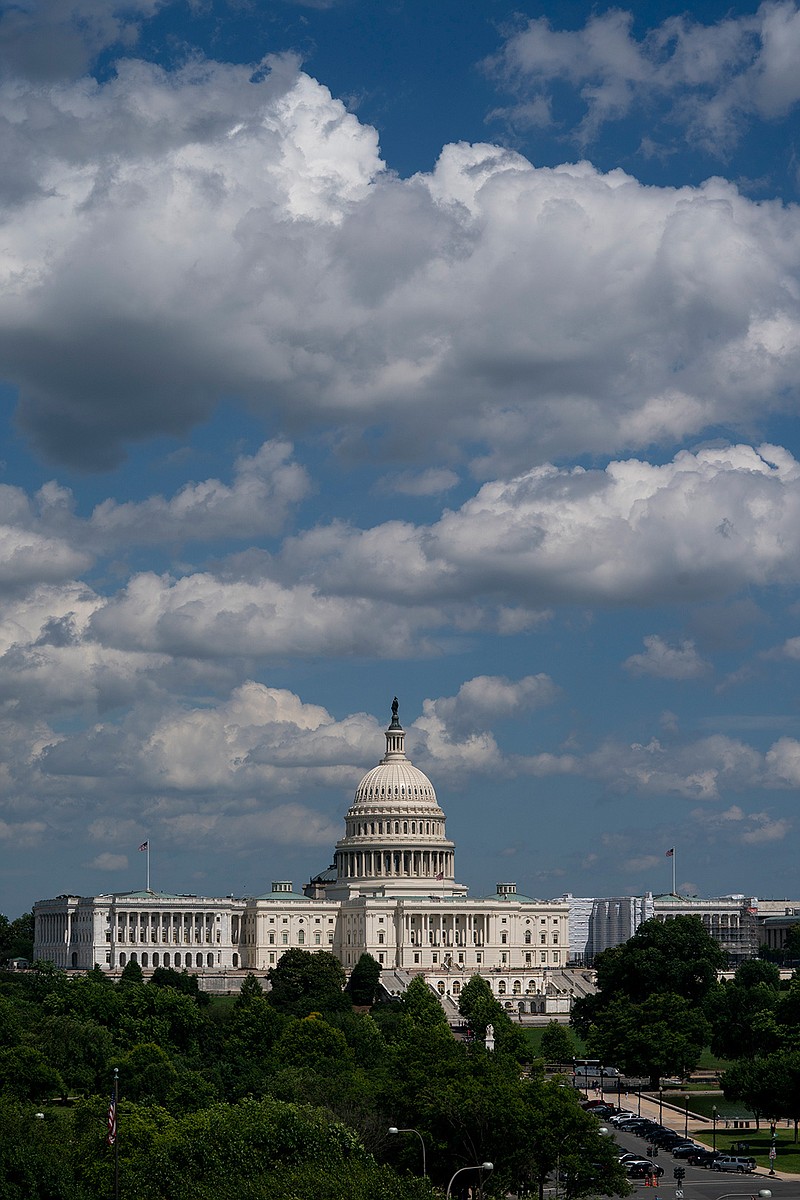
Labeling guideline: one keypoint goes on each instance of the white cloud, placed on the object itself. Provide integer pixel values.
(108, 862)
(668, 662)
(265, 485)
(749, 829)
(419, 483)
(698, 528)
(711, 79)
(489, 698)
(218, 232)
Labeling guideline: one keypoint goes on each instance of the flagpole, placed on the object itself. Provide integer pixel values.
(674, 891)
(116, 1137)
(148, 865)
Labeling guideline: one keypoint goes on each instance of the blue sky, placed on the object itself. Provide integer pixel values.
(359, 349)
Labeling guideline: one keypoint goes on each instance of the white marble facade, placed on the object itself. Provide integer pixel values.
(391, 891)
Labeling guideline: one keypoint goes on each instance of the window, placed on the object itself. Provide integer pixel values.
(381, 958)
(543, 938)
(527, 937)
(317, 938)
(555, 936)
(285, 939)
(272, 957)
(543, 956)
(479, 958)
(504, 958)
(381, 938)
(504, 938)
(527, 960)
(416, 957)
(272, 939)
(434, 958)
(301, 938)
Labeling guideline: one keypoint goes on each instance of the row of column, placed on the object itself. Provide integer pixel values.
(439, 929)
(187, 928)
(377, 864)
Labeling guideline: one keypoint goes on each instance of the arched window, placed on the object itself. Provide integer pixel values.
(397, 826)
(235, 960)
(301, 938)
(209, 960)
(501, 987)
(144, 960)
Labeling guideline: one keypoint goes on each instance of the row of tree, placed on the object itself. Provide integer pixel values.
(660, 1001)
(283, 1092)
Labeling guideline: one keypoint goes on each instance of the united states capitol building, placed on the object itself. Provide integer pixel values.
(390, 892)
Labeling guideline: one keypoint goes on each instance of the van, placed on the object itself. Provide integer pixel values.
(730, 1162)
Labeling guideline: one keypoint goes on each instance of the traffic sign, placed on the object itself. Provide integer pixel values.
(678, 1193)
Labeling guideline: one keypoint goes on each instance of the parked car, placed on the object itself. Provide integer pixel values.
(684, 1149)
(703, 1158)
(729, 1162)
(642, 1168)
(624, 1115)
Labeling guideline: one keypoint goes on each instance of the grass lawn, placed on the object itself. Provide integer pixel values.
(759, 1142)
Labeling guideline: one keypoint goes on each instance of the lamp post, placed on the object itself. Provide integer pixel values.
(487, 1166)
(661, 1106)
(393, 1129)
(686, 1116)
(714, 1115)
(764, 1193)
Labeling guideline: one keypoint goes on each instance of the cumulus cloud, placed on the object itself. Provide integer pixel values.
(50, 39)
(749, 829)
(491, 698)
(219, 232)
(108, 862)
(265, 486)
(713, 80)
(701, 770)
(668, 662)
(698, 528)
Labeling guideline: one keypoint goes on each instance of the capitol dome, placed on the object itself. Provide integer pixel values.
(394, 830)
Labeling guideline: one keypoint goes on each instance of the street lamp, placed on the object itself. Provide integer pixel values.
(661, 1106)
(686, 1117)
(393, 1129)
(714, 1115)
(487, 1166)
(765, 1194)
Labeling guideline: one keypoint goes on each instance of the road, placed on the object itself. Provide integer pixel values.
(699, 1183)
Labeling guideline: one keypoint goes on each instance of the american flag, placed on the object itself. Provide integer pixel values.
(145, 846)
(670, 853)
(111, 1120)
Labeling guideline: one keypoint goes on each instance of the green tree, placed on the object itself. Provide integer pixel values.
(314, 1044)
(251, 989)
(558, 1044)
(664, 1034)
(131, 973)
(305, 982)
(662, 956)
(421, 1006)
(364, 979)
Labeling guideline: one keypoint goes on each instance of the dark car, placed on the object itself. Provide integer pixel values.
(641, 1170)
(703, 1158)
